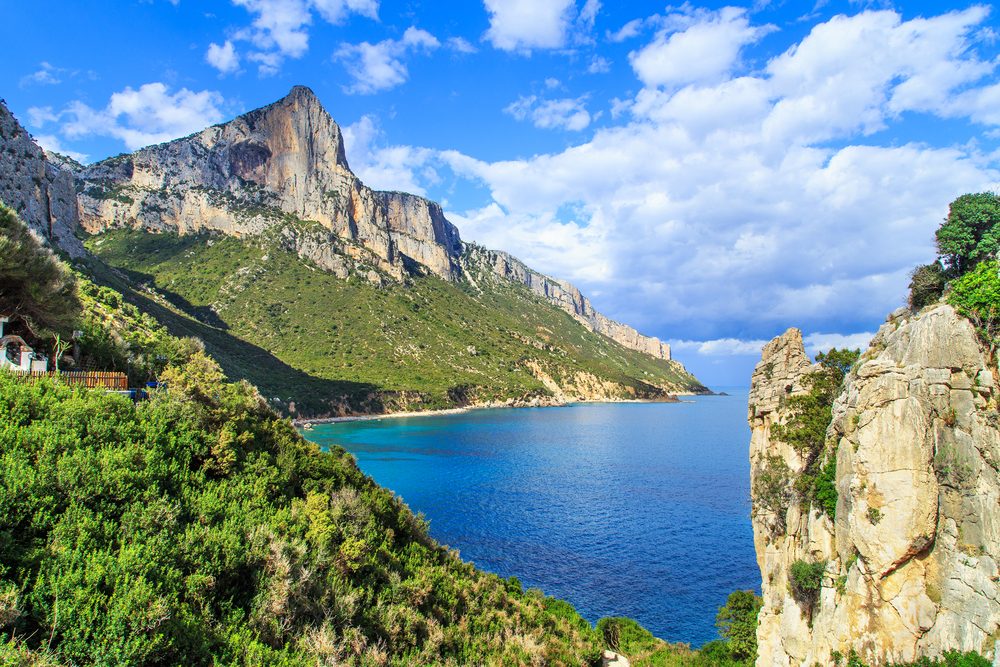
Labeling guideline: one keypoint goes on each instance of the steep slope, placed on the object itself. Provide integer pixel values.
(374, 344)
(909, 564)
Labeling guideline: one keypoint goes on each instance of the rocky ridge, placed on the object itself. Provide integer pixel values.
(562, 294)
(287, 159)
(911, 557)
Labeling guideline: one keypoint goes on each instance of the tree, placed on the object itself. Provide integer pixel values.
(737, 623)
(34, 284)
(970, 233)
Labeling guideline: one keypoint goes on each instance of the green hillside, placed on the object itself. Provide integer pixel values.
(301, 334)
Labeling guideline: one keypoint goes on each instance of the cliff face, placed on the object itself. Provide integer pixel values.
(564, 295)
(243, 176)
(42, 194)
(911, 557)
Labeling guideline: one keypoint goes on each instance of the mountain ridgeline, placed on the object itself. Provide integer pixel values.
(255, 236)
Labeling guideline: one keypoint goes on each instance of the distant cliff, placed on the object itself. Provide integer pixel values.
(564, 295)
(909, 564)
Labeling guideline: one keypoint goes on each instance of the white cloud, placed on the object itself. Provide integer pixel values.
(280, 27)
(223, 58)
(629, 30)
(461, 45)
(46, 75)
(38, 116)
(51, 143)
(719, 347)
(566, 114)
(146, 116)
(704, 51)
(727, 212)
(854, 73)
(376, 67)
(522, 25)
(818, 342)
(385, 167)
(599, 65)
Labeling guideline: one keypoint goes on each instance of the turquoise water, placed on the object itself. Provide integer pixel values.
(622, 509)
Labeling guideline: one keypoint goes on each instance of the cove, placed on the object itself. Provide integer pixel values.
(622, 509)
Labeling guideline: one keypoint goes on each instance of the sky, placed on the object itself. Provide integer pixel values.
(708, 174)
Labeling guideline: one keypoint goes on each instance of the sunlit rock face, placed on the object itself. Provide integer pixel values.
(912, 553)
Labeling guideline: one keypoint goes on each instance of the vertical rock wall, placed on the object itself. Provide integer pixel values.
(911, 556)
(42, 194)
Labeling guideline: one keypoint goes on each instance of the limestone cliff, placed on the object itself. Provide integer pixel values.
(911, 556)
(42, 193)
(562, 294)
(245, 176)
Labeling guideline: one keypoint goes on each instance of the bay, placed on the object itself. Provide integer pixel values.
(622, 509)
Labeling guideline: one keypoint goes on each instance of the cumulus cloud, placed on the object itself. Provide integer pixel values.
(461, 45)
(280, 28)
(50, 142)
(376, 67)
(819, 342)
(726, 209)
(630, 29)
(523, 25)
(565, 114)
(696, 47)
(386, 167)
(46, 75)
(223, 58)
(145, 116)
(39, 116)
(719, 347)
(599, 65)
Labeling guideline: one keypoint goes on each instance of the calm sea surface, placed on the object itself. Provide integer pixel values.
(622, 509)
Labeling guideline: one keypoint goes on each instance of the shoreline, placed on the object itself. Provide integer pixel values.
(300, 423)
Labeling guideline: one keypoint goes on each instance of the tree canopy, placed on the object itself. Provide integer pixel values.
(971, 232)
(34, 284)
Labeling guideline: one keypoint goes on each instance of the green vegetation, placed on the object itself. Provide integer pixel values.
(806, 580)
(976, 295)
(199, 528)
(805, 430)
(950, 659)
(737, 623)
(968, 238)
(328, 344)
(36, 286)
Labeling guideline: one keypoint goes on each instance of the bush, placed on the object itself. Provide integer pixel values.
(926, 285)
(976, 295)
(806, 579)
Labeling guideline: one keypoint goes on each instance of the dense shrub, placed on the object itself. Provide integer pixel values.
(198, 528)
(926, 285)
(805, 580)
(976, 295)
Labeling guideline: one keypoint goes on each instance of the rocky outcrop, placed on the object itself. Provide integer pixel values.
(911, 556)
(562, 294)
(42, 193)
(421, 232)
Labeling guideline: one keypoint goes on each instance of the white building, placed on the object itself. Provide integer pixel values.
(17, 354)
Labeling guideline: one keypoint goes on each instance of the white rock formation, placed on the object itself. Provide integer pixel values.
(912, 555)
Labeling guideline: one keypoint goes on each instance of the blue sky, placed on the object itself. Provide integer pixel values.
(709, 174)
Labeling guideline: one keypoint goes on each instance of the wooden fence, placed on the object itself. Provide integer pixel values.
(89, 379)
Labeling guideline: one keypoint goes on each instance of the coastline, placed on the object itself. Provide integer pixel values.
(301, 423)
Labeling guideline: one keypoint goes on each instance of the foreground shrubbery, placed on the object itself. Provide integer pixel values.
(198, 528)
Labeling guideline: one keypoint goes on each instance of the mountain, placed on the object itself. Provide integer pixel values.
(255, 236)
(906, 564)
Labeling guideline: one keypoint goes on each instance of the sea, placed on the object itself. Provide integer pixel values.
(622, 509)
